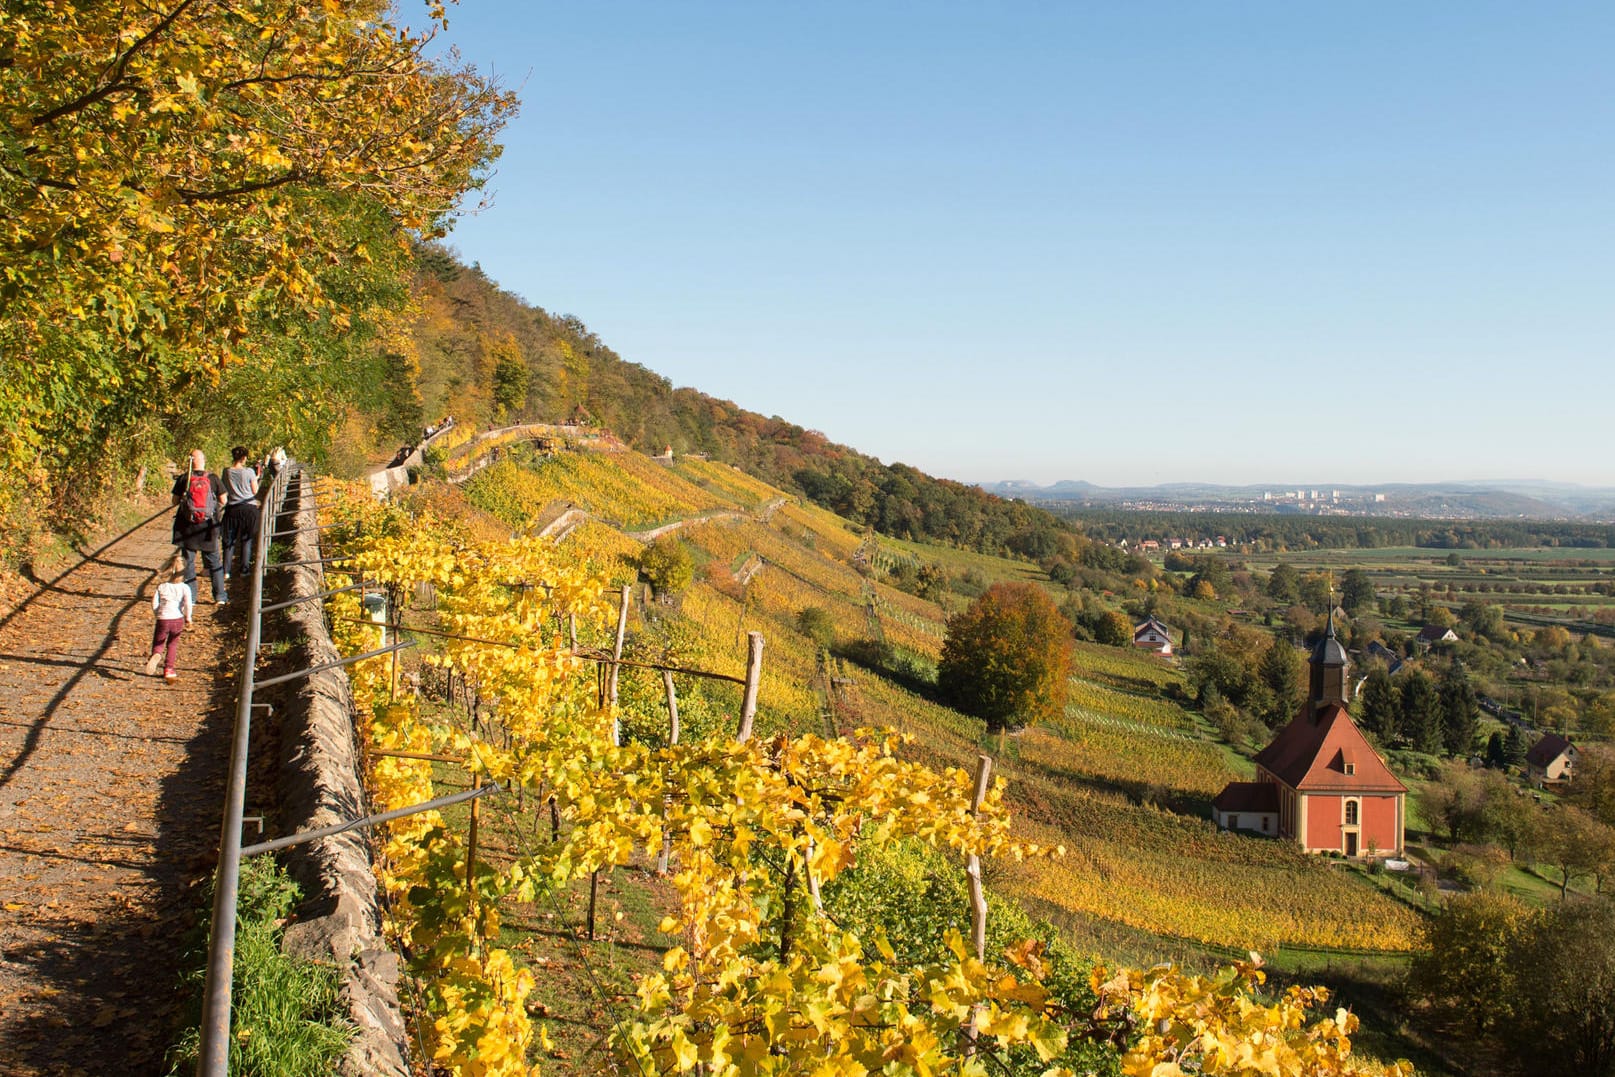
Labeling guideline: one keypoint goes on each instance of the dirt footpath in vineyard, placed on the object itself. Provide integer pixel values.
(110, 792)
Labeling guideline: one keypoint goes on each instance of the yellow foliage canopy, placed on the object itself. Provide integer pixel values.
(175, 177)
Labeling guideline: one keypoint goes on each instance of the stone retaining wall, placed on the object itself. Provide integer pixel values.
(340, 919)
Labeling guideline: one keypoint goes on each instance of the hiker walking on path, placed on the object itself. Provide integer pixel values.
(199, 502)
(173, 606)
(273, 465)
(240, 513)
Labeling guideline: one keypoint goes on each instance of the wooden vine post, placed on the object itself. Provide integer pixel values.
(978, 896)
(672, 707)
(594, 898)
(754, 676)
(395, 616)
(471, 859)
(672, 740)
(616, 660)
(616, 726)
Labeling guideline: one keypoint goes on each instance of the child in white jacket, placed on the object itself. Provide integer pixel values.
(174, 607)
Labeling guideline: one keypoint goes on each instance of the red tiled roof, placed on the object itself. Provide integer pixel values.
(1546, 750)
(1310, 756)
(1248, 797)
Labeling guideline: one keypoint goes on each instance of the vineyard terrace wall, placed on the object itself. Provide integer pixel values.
(339, 921)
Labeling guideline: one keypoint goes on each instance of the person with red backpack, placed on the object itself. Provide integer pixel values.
(199, 498)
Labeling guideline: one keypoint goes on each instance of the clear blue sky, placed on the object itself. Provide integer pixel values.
(1122, 242)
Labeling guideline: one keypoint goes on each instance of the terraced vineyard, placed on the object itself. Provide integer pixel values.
(731, 482)
(622, 488)
(1263, 902)
(1134, 757)
(955, 560)
(819, 530)
(1089, 699)
(1099, 780)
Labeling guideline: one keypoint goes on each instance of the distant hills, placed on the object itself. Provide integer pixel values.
(1502, 499)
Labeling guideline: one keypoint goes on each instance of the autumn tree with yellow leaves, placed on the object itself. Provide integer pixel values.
(199, 205)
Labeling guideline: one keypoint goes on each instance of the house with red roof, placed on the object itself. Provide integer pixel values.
(1551, 759)
(1153, 636)
(1431, 635)
(1319, 782)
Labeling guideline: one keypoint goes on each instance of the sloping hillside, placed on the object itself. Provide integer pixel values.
(1104, 781)
(483, 354)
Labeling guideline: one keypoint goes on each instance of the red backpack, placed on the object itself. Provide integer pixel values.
(204, 503)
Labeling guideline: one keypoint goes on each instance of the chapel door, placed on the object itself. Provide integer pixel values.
(1351, 843)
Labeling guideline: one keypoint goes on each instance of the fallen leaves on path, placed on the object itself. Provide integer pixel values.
(110, 782)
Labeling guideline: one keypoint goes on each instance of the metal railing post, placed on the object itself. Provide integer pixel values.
(213, 1056)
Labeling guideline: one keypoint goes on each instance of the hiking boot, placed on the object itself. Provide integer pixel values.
(154, 663)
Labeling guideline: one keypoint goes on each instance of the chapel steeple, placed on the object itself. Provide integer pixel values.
(1328, 680)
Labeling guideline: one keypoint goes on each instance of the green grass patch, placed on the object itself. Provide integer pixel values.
(287, 1014)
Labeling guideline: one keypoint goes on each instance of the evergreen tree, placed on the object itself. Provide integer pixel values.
(1421, 711)
(1356, 591)
(1460, 715)
(1280, 670)
(1496, 751)
(1514, 747)
(1284, 584)
(1380, 709)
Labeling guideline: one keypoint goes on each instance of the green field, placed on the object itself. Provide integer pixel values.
(1533, 585)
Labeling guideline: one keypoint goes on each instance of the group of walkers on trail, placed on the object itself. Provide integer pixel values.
(216, 516)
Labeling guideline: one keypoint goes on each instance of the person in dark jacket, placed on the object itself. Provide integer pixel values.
(240, 514)
(194, 536)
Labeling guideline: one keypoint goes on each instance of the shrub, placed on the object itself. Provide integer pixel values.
(667, 566)
(817, 624)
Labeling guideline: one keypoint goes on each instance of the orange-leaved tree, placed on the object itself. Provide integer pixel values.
(1007, 657)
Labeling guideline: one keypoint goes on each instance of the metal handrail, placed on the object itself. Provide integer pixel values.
(213, 1058)
(300, 599)
(369, 820)
(336, 664)
(310, 561)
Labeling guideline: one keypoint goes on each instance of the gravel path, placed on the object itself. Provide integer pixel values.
(110, 791)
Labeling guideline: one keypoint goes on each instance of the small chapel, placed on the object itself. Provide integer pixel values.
(1319, 782)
